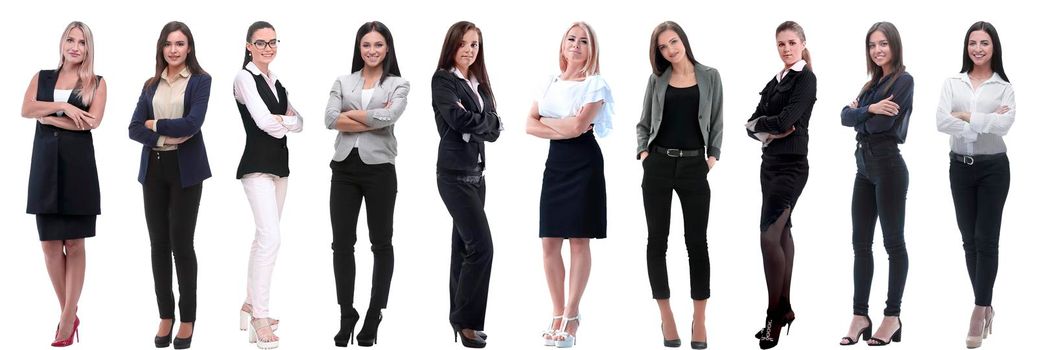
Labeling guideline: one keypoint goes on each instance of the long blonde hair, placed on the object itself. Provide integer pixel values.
(87, 83)
(590, 67)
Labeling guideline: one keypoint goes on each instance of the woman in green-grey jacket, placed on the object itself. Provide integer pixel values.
(678, 141)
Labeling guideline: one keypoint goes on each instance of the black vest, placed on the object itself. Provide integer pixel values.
(264, 153)
(63, 174)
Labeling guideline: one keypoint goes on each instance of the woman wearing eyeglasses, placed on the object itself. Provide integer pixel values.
(363, 107)
(168, 121)
(267, 117)
(66, 104)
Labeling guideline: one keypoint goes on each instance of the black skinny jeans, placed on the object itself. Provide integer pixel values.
(471, 254)
(171, 212)
(353, 182)
(979, 192)
(879, 192)
(687, 176)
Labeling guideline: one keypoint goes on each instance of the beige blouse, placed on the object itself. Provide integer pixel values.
(169, 102)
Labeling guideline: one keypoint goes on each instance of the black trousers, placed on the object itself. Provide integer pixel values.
(979, 192)
(171, 212)
(687, 176)
(879, 193)
(471, 254)
(353, 182)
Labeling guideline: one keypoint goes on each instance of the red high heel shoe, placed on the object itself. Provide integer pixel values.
(68, 341)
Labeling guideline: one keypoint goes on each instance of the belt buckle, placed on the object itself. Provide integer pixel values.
(673, 152)
(968, 160)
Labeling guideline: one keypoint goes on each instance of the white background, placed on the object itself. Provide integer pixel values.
(521, 42)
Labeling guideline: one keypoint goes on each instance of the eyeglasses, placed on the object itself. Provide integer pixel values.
(260, 44)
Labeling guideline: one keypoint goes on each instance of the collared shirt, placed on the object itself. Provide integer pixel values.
(798, 66)
(474, 84)
(246, 93)
(983, 133)
(168, 102)
(764, 137)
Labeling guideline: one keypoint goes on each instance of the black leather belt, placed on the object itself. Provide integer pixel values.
(678, 153)
(976, 158)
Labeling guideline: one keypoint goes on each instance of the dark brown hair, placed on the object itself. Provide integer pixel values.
(660, 63)
(896, 48)
(160, 59)
(389, 64)
(995, 61)
(452, 43)
(257, 25)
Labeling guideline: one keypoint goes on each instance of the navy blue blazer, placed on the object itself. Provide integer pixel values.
(193, 161)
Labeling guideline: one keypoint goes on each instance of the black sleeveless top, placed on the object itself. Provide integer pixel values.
(63, 174)
(264, 153)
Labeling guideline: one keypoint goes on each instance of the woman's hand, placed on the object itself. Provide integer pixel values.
(78, 116)
(966, 116)
(885, 107)
(643, 155)
(711, 161)
(784, 134)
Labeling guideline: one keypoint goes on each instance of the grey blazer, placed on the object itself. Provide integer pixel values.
(711, 109)
(376, 146)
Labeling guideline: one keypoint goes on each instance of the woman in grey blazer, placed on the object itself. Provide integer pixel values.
(363, 107)
(678, 141)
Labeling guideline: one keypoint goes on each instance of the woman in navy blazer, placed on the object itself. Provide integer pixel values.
(173, 163)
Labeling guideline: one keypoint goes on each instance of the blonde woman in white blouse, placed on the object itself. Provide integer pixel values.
(977, 107)
(572, 107)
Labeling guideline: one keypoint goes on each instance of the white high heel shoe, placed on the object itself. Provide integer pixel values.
(568, 340)
(245, 316)
(253, 333)
(550, 332)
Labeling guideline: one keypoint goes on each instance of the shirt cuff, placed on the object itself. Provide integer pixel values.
(161, 141)
(154, 125)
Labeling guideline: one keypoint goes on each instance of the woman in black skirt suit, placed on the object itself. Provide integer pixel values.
(574, 105)
(780, 122)
(63, 189)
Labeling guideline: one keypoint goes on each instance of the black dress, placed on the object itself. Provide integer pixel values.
(63, 188)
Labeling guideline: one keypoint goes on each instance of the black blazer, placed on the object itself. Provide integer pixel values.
(452, 121)
(63, 174)
(783, 105)
(193, 161)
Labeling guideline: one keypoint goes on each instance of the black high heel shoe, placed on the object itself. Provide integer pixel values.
(893, 339)
(347, 323)
(368, 335)
(183, 343)
(865, 332)
(772, 329)
(477, 342)
(786, 320)
(164, 340)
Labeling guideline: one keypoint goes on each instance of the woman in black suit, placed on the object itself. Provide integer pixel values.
(173, 163)
(66, 103)
(780, 122)
(465, 118)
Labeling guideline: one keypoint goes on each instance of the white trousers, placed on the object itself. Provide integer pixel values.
(265, 194)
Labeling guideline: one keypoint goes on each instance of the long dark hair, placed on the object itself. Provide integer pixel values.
(995, 62)
(452, 43)
(796, 28)
(389, 64)
(660, 63)
(248, 38)
(160, 59)
(896, 47)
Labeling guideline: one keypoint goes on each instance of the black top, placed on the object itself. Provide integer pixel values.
(680, 126)
(63, 174)
(264, 153)
(880, 127)
(453, 120)
(783, 105)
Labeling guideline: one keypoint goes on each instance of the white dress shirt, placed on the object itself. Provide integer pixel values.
(565, 98)
(983, 133)
(246, 93)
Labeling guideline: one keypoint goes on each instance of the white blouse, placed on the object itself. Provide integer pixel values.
(983, 133)
(564, 99)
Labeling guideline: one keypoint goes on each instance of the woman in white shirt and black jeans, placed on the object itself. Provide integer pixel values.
(977, 107)
(267, 117)
(573, 106)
